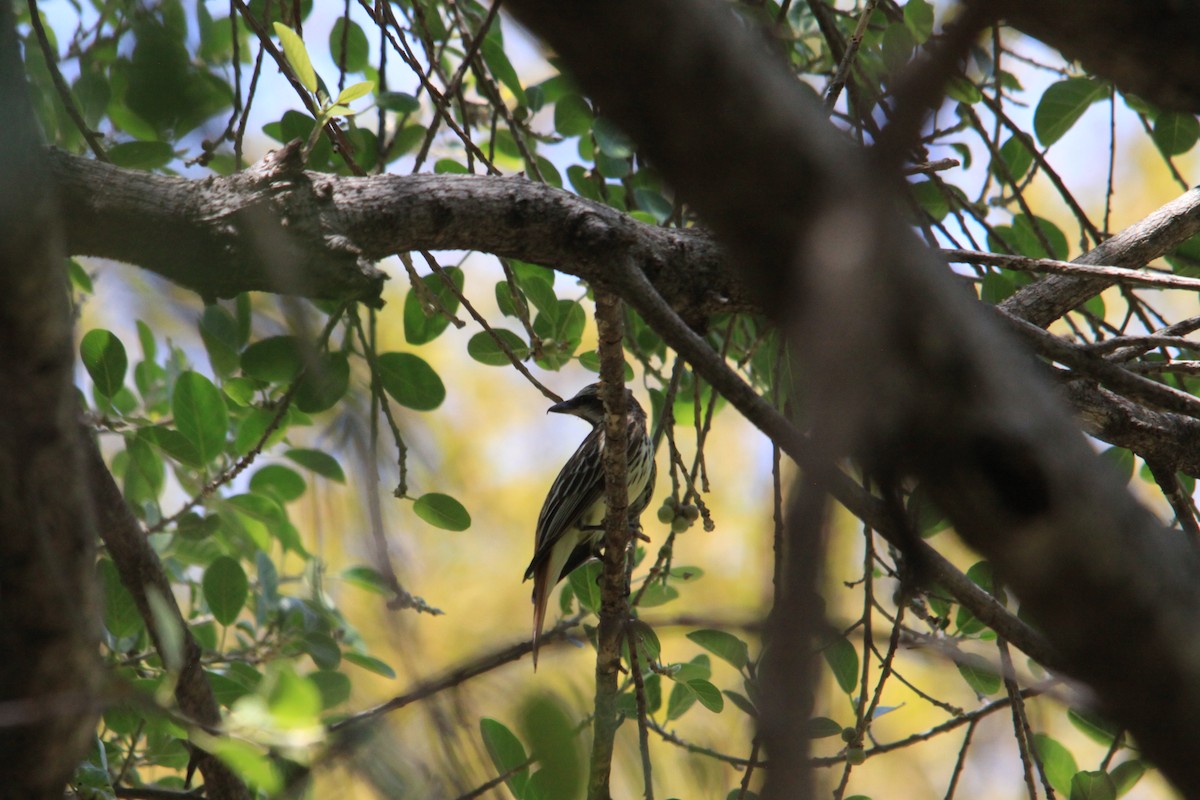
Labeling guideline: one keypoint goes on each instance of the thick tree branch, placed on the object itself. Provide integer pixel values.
(918, 380)
(1146, 48)
(49, 625)
(1160, 232)
(215, 235)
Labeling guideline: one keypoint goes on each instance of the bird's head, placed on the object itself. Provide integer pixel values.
(588, 404)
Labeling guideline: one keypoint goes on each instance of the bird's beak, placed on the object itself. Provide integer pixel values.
(565, 407)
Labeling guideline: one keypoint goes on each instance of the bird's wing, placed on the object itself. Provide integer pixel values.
(576, 489)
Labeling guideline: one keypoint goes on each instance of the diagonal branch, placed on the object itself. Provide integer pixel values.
(142, 573)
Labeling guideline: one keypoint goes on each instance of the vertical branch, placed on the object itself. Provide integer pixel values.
(49, 620)
(788, 672)
(614, 601)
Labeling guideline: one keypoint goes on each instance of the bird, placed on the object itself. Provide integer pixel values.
(570, 527)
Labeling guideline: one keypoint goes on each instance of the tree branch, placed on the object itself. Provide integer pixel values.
(142, 572)
(49, 620)
(1146, 48)
(614, 592)
(218, 236)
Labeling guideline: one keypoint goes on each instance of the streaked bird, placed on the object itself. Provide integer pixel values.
(570, 529)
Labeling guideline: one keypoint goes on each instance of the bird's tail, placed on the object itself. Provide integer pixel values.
(541, 595)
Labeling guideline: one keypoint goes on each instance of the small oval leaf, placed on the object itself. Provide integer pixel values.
(484, 348)
(104, 357)
(411, 381)
(225, 589)
(297, 56)
(200, 414)
(442, 511)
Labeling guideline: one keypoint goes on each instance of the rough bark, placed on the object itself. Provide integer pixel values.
(918, 380)
(49, 632)
(221, 236)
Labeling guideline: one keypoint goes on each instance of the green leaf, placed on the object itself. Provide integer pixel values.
(401, 103)
(274, 360)
(121, 615)
(200, 414)
(367, 578)
(411, 381)
(962, 90)
(1092, 786)
(225, 589)
(723, 645)
(294, 700)
(323, 650)
(297, 56)
(931, 199)
(708, 695)
(442, 511)
(104, 357)
(174, 444)
(219, 332)
(658, 594)
(978, 672)
(1126, 775)
(355, 91)
(823, 728)
(550, 732)
(898, 45)
(1175, 133)
(225, 689)
(370, 664)
(506, 752)
(572, 116)
(540, 293)
(282, 483)
(79, 277)
(420, 327)
(357, 54)
(249, 763)
(483, 347)
(1094, 726)
(252, 429)
(1057, 760)
(680, 700)
(611, 140)
(448, 166)
(497, 61)
(1016, 156)
(333, 686)
(918, 16)
(323, 384)
(141, 155)
(742, 702)
(585, 585)
(843, 660)
(321, 463)
(1062, 105)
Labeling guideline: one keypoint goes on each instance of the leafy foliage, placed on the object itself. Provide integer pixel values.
(215, 459)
